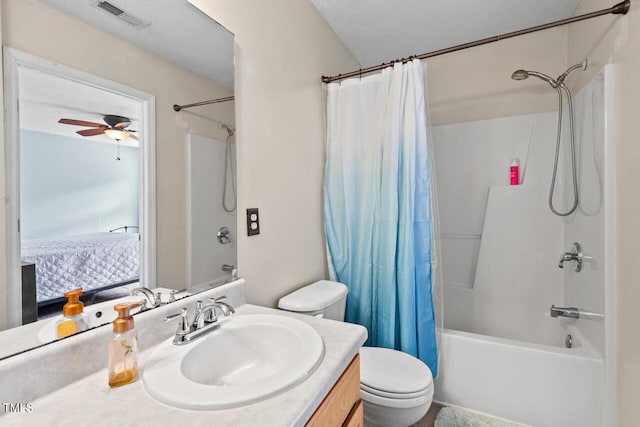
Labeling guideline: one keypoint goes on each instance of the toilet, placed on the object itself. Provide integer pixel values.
(396, 388)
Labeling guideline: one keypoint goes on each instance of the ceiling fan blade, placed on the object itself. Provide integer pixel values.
(91, 132)
(121, 125)
(82, 123)
(134, 137)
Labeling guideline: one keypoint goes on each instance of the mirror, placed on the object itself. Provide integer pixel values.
(101, 172)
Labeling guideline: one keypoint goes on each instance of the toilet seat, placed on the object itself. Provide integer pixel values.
(383, 393)
(391, 373)
(396, 403)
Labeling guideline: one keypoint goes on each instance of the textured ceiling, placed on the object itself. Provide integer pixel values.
(377, 31)
(178, 32)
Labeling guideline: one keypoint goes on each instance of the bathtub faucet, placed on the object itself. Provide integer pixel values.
(576, 255)
(572, 312)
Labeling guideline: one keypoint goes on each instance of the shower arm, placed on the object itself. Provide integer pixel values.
(563, 76)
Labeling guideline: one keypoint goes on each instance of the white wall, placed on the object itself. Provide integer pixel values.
(206, 215)
(70, 186)
(282, 49)
(33, 27)
(3, 195)
(500, 243)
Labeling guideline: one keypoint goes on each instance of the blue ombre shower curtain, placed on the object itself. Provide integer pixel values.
(377, 207)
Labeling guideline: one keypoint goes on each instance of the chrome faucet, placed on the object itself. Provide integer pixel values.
(152, 300)
(571, 312)
(204, 321)
(576, 255)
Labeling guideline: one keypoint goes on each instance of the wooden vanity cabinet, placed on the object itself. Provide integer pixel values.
(342, 406)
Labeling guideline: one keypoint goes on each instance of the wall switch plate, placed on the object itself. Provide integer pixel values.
(253, 222)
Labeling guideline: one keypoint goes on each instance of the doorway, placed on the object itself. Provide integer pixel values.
(97, 213)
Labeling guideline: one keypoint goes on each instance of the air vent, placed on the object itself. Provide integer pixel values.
(122, 15)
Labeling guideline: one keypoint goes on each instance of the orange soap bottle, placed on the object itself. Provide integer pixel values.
(123, 347)
(73, 319)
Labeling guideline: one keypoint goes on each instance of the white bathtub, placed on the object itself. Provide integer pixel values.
(532, 384)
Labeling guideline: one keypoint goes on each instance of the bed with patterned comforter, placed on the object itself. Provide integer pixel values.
(88, 261)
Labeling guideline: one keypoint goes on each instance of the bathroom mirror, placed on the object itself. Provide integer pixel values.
(101, 171)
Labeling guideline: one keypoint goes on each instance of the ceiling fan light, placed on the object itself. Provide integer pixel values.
(116, 134)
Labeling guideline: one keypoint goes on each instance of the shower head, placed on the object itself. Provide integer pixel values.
(523, 74)
(520, 75)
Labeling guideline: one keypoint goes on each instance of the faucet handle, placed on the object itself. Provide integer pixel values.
(172, 295)
(183, 323)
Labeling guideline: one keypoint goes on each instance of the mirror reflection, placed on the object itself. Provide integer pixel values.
(113, 195)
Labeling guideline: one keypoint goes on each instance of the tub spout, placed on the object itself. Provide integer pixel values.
(571, 312)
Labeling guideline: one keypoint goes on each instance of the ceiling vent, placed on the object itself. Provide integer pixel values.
(122, 15)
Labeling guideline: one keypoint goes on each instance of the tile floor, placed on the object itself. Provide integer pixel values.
(430, 418)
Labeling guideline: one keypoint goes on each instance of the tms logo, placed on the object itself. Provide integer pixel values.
(17, 407)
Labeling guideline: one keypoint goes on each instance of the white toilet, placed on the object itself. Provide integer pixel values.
(396, 388)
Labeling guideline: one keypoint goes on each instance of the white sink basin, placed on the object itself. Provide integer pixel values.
(250, 358)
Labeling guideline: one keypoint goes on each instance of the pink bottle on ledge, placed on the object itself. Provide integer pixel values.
(514, 170)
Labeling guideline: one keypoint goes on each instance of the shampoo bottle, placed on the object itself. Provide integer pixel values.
(123, 347)
(73, 319)
(514, 171)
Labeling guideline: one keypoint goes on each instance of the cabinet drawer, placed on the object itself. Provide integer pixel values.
(356, 417)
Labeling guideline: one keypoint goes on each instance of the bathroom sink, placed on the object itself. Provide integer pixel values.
(249, 358)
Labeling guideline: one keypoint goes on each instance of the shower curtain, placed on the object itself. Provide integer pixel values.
(377, 207)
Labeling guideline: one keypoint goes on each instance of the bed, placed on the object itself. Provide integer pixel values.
(94, 261)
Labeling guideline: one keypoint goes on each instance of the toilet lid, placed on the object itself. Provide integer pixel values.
(316, 296)
(393, 371)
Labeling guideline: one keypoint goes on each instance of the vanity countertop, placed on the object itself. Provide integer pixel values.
(90, 401)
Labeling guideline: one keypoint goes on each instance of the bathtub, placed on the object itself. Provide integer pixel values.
(532, 384)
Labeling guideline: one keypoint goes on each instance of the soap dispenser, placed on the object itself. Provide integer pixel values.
(123, 347)
(73, 319)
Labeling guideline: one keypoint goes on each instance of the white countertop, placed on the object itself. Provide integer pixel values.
(90, 401)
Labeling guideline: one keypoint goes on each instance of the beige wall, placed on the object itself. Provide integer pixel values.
(282, 49)
(476, 84)
(617, 40)
(40, 30)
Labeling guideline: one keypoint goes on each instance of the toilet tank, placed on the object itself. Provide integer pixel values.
(323, 298)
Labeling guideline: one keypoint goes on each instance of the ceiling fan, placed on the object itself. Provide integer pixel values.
(115, 128)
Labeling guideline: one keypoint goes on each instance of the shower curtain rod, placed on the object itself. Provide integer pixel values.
(619, 9)
(177, 107)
